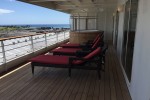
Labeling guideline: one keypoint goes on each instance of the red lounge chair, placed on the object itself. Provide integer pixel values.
(69, 62)
(72, 51)
(89, 43)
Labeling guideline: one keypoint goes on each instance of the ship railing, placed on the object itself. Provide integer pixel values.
(14, 47)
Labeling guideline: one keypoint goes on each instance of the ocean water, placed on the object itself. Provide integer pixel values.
(43, 25)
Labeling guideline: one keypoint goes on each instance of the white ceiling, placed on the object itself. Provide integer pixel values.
(71, 6)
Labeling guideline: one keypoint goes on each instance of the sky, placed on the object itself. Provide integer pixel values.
(15, 12)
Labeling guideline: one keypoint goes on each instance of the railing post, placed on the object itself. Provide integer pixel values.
(56, 37)
(45, 40)
(32, 44)
(3, 52)
(64, 35)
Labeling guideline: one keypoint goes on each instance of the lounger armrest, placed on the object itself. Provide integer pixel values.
(104, 49)
(88, 42)
(85, 45)
(101, 44)
(81, 53)
(71, 59)
(86, 48)
(89, 47)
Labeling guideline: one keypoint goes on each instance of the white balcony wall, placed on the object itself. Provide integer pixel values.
(108, 25)
(140, 83)
(102, 20)
(82, 24)
(120, 33)
(91, 24)
(139, 86)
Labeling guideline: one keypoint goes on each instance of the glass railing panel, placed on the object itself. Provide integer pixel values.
(1, 55)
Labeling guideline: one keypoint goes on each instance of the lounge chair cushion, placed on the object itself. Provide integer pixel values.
(62, 60)
(96, 43)
(66, 50)
(70, 45)
(89, 56)
(96, 38)
(50, 59)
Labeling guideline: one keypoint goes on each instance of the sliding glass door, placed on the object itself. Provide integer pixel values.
(115, 27)
(129, 35)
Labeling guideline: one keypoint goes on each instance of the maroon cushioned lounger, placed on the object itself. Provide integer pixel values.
(69, 62)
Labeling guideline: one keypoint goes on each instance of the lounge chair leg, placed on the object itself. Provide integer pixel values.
(32, 66)
(69, 72)
(99, 75)
(104, 63)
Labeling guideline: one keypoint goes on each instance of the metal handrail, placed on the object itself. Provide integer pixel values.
(14, 37)
(30, 43)
(17, 47)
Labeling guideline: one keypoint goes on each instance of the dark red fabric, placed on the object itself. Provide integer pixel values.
(96, 38)
(66, 50)
(93, 53)
(96, 43)
(62, 60)
(89, 56)
(50, 59)
(70, 44)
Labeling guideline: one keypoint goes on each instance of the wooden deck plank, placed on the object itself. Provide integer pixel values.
(102, 84)
(43, 91)
(81, 88)
(124, 89)
(92, 86)
(70, 89)
(112, 82)
(52, 81)
(14, 87)
(96, 90)
(26, 86)
(55, 96)
(63, 92)
(76, 88)
(54, 84)
(10, 78)
(32, 87)
(107, 80)
(54, 87)
(86, 88)
(40, 88)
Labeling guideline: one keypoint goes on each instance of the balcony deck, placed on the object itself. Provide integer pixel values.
(52, 84)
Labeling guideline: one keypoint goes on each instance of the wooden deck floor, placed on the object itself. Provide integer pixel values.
(54, 84)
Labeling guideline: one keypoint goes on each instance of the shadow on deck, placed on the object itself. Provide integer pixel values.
(52, 84)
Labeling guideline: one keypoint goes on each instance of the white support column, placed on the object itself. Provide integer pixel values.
(45, 40)
(56, 37)
(64, 35)
(73, 26)
(32, 44)
(97, 21)
(79, 23)
(3, 52)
